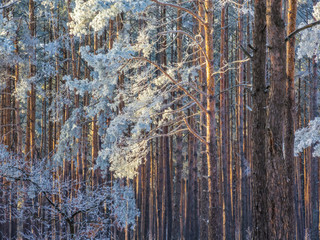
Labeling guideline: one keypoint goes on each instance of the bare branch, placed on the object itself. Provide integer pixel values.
(194, 133)
(245, 51)
(301, 29)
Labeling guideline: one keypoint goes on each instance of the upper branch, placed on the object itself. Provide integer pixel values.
(174, 81)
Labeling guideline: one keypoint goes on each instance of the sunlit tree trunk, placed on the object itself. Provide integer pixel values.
(291, 162)
(215, 226)
(204, 197)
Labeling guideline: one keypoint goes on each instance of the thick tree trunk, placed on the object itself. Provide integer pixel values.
(281, 202)
(259, 167)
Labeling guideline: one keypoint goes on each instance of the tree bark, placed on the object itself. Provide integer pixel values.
(215, 226)
(259, 167)
(290, 161)
(281, 202)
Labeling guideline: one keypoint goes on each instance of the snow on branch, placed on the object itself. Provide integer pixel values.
(307, 137)
(8, 4)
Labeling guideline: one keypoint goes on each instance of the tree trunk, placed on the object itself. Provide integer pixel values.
(204, 197)
(281, 202)
(178, 153)
(215, 226)
(259, 167)
(290, 161)
(228, 227)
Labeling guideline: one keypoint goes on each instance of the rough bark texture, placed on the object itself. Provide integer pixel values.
(259, 171)
(290, 106)
(280, 201)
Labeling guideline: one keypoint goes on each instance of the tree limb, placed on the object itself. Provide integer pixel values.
(245, 51)
(174, 81)
(194, 133)
(301, 29)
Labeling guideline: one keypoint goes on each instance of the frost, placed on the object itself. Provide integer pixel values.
(309, 42)
(93, 203)
(96, 14)
(307, 137)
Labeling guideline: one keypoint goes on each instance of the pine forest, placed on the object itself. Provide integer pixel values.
(159, 119)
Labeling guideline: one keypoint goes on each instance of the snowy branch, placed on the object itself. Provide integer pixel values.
(174, 81)
(9, 4)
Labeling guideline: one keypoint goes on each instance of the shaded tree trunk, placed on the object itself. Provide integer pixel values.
(259, 165)
(281, 202)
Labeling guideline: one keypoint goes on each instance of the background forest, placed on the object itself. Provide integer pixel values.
(147, 119)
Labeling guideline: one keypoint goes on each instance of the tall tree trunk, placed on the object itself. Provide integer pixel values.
(259, 165)
(314, 164)
(151, 195)
(204, 196)
(178, 153)
(94, 128)
(228, 227)
(215, 226)
(314, 161)
(30, 131)
(290, 161)
(281, 203)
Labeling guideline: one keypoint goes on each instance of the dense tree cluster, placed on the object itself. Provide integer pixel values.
(171, 119)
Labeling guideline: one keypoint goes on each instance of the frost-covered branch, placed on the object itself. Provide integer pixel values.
(74, 197)
(9, 4)
(307, 137)
(193, 39)
(173, 81)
